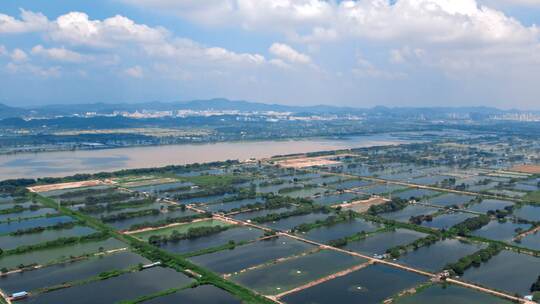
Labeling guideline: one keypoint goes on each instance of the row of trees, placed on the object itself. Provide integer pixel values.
(192, 233)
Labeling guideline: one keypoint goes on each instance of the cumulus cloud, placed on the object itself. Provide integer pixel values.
(427, 20)
(522, 3)
(193, 53)
(76, 28)
(285, 52)
(29, 22)
(58, 54)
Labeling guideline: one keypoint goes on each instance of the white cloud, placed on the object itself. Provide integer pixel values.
(76, 28)
(191, 53)
(29, 22)
(18, 55)
(250, 14)
(289, 54)
(36, 70)
(422, 20)
(522, 3)
(134, 71)
(58, 54)
(3, 50)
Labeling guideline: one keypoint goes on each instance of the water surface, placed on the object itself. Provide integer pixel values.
(508, 271)
(27, 165)
(371, 285)
(450, 294)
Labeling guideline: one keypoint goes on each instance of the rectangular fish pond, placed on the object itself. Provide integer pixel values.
(371, 285)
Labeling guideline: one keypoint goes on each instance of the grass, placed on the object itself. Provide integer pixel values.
(180, 228)
(212, 180)
(533, 197)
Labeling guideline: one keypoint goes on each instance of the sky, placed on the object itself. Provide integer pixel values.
(360, 53)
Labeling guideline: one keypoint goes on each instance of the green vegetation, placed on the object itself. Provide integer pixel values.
(60, 242)
(470, 224)
(533, 197)
(302, 210)
(342, 242)
(476, 259)
(108, 197)
(57, 226)
(183, 228)
(166, 292)
(216, 180)
(192, 233)
(220, 190)
(340, 217)
(296, 188)
(397, 251)
(417, 220)
(84, 192)
(394, 205)
(14, 209)
(117, 206)
(535, 287)
(170, 220)
(127, 215)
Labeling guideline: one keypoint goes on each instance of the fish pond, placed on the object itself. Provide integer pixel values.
(236, 234)
(328, 233)
(406, 213)
(445, 221)
(450, 199)
(508, 271)
(500, 231)
(9, 227)
(60, 253)
(10, 242)
(434, 257)
(251, 254)
(371, 285)
(205, 294)
(124, 287)
(450, 294)
(378, 243)
(283, 276)
(489, 204)
(68, 272)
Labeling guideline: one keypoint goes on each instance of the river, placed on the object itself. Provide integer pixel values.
(63, 163)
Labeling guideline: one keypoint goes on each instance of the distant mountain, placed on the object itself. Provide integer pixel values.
(221, 104)
(7, 111)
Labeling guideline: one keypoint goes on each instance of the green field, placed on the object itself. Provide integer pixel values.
(533, 197)
(180, 228)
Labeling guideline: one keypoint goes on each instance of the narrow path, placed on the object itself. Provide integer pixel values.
(322, 280)
(407, 184)
(489, 291)
(5, 297)
(526, 233)
(129, 232)
(373, 261)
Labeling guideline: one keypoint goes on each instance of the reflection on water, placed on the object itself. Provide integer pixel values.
(91, 161)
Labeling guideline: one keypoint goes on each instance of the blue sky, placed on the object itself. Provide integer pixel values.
(356, 53)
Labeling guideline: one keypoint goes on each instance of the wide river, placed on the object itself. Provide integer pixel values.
(32, 165)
